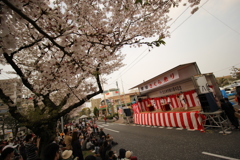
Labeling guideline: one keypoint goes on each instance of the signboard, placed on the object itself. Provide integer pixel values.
(173, 89)
(202, 84)
(160, 82)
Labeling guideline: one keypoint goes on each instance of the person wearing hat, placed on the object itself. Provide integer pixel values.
(67, 155)
(129, 156)
(7, 153)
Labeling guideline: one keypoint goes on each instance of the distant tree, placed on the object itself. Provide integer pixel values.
(96, 112)
(222, 82)
(86, 111)
(234, 72)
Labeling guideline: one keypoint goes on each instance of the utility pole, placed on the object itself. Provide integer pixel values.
(127, 118)
(124, 95)
(119, 102)
(104, 96)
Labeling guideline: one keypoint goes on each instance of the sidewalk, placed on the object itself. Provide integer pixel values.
(120, 121)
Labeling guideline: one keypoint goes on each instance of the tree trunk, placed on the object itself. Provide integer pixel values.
(47, 134)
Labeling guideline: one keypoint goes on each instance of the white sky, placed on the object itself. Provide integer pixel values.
(210, 37)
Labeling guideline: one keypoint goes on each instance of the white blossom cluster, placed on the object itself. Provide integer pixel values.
(61, 46)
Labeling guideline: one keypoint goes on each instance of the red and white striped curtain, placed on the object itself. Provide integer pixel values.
(190, 96)
(187, 120)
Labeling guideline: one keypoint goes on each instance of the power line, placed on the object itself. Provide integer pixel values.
(188, 17)
(221, 21)
(131, 64)
(179, 16)
(226, 68)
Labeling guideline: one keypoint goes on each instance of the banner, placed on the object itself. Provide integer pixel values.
(160, 82)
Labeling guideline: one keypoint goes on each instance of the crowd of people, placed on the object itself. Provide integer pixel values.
(84, 136)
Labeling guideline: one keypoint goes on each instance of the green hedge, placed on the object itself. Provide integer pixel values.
(109, 117)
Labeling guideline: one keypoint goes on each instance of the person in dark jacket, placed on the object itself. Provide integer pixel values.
(230, 112)
(102, 134)
(76, 146)
(122, 153)
(51, 152)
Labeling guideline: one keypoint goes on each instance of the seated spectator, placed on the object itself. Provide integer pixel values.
(122, 153)
(108, 149)
(109, 138)
(89, 145)
(96, 148)
(102, 134)
(111, 156)
(129, 156)
(83, 142)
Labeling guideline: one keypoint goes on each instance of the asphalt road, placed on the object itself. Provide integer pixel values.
(149, 143)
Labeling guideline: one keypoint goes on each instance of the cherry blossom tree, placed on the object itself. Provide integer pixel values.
(59, 49)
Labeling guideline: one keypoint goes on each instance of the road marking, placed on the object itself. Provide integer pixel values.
(179, 129)
(226, 132)
(219, 156)
(111, 130)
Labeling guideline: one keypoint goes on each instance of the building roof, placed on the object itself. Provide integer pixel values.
(175, 68)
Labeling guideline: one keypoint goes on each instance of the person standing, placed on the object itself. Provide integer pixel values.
(76, 146)
(230, 112)
(183, 101)
(105, 119)
(7, 154)
(31, 149)
(169, 102)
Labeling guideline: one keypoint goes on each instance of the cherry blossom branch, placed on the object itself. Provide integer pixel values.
(19, 72)
(64, 100)
(35, 25)
(82, 101)
(26, 46)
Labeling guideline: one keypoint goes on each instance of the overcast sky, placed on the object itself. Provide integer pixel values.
(210, 37)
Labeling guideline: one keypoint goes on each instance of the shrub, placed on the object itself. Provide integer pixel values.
(109, 117)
